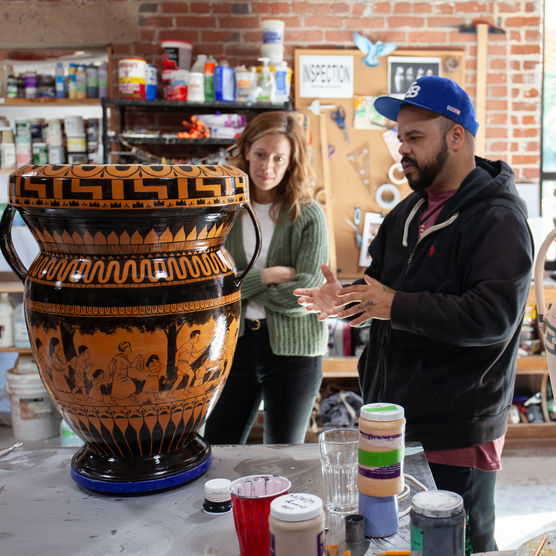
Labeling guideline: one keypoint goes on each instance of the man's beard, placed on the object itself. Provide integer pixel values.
(428, 172)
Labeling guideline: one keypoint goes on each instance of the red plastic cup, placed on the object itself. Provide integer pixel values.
(251, 498)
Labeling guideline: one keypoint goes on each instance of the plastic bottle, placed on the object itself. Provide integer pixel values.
(266, 82)
(199, 65)
(281, 80)
(80, 83)
(21, 336)
(70, 81)
(296, 524)
(210, 64)
(6, 321)
(103, 81)
(60, 87)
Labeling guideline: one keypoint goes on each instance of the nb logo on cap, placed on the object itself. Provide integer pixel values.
(413, 90)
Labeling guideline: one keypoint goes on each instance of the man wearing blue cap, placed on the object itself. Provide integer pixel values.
(445, 294)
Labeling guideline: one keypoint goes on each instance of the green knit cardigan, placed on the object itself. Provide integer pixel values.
(302, 244)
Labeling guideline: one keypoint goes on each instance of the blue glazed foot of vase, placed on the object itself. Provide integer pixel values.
(140, 475)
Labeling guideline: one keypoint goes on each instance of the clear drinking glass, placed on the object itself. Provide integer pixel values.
(338, 457)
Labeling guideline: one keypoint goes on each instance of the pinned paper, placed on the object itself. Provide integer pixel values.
(373, 220)
(392, 143)
(359, 159)
(364, 114)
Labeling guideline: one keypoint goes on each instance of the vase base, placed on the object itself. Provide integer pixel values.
(140, 475)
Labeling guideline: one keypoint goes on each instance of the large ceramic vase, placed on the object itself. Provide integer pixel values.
(546, 320)
(132, 307)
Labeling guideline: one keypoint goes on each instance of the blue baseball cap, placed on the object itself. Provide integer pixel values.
(437, 94)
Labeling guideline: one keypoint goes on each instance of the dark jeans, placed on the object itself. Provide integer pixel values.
(287, 385)
(476, 487)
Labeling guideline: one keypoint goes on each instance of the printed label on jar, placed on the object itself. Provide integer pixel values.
(388, 472)
(416, 541)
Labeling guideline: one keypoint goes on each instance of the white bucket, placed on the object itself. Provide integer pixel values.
(34, 416)
(274, 53)
(273, 31)
(74, 126)
(176, 55)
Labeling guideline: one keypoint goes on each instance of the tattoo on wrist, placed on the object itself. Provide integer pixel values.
(387, 289)
(368, 304)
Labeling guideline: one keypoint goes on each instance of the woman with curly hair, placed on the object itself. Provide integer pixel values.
(278, 358)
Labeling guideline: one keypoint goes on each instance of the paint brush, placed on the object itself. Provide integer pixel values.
(541, 544)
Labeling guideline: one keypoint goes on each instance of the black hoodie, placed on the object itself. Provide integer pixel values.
(448, 354)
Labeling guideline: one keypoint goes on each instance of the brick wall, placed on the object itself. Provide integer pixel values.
(514, 57)
(233, 28)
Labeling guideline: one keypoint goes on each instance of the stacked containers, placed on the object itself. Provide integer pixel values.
(76, 141)
(380, 478)
(54, 142)
(273, 40)
(23, 152)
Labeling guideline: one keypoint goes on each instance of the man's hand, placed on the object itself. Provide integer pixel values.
(321, 299)
(372, 300)
(278, 274)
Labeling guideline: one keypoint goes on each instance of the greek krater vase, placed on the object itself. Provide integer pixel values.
(132, 307)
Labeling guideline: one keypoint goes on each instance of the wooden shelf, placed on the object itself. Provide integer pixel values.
(13, 349)
(532, 430)
(40, 102)
(346, 367)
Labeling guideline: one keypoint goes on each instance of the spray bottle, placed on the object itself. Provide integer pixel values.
(266, 82)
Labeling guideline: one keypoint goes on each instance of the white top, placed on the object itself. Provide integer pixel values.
(296, 506)
(218, 490)
(381, 411)
(267, 225)
(437, 503)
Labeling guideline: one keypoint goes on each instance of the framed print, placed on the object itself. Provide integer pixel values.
(404, 70)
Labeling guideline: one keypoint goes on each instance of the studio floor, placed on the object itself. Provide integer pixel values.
(525, 493)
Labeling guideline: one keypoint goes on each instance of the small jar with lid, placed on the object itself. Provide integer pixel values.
(437, 519)
(381, 449)
(218, 499)
(296, 524)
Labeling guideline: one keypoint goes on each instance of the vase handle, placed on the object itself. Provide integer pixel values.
(239, 279)
(538, 280)
(7, 245)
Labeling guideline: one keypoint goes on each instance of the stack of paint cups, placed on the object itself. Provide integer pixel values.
(23, 150)
(54, 142)
(76, 141)
(273, 40)
(380, 478)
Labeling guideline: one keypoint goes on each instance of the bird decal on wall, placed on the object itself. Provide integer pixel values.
(372, 50)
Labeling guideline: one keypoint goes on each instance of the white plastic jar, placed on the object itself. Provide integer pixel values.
(296, 524)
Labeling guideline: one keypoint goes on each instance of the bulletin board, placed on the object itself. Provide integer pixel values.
(357, 178)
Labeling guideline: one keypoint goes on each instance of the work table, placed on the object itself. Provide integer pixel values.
(45, 512)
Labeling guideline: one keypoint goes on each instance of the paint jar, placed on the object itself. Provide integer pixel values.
(91, 77)
(21, 335)
(179, 84)
(40, 153)
(437, 521)
(246, 81)
(196, 87)
(80, 83)
(54, 132)
(31, 84)
(218, 499)
(381, 449)
(22, 131)
(74, 126)
(296, 525)
(7, 155)
(33, 414)
(132, 75)
(103, 81)
(23, 154)
(56, 154)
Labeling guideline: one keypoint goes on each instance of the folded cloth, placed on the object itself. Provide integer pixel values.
(340, 409)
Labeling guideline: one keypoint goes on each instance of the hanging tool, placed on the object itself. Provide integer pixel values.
(339, 116)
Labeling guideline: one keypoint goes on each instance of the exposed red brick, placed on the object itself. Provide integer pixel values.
(402, 7)
(522, 22)
(427, 37)
(470, 7)
(405, 21)
(497, 132)
(524, 159)
(182, 7)
(197, 22)
(520, 49)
